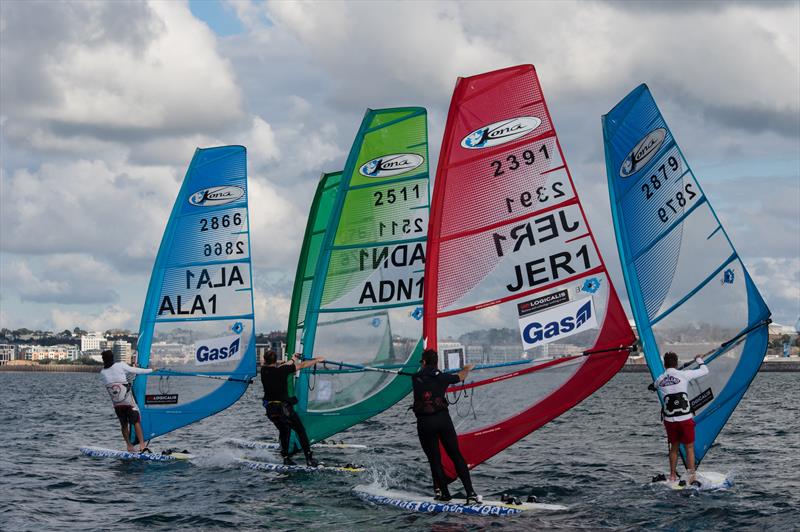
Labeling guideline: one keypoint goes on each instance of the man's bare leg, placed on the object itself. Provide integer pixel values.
(138, 427)
(126, 434)
(673, 461)
(690, 461)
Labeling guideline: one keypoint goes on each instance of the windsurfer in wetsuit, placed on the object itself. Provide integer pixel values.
(280, 406)
(116, 378)
(434, 424)
(678, 418)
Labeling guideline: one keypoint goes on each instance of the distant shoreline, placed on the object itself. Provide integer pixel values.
(767, 367)
(52, 368)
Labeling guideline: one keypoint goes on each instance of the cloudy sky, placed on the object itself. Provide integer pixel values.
(103, 103)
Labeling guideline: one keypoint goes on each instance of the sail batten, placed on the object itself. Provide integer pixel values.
(684, 277)
(514, 280)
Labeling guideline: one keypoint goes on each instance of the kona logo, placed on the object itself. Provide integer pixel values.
(209, 197)
(216, 350)
(500, 132)
(641, 154)
(389, 165)
(557, 323)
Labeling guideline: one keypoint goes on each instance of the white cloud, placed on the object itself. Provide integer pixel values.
(68, 279)
(111, 317)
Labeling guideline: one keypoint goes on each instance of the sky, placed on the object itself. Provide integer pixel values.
(103, 103)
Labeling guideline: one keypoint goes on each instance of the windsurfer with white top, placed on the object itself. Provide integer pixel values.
(673, 385)
(118, 378)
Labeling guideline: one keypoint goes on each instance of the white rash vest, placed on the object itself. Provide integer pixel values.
(673, 385)
(116, 380)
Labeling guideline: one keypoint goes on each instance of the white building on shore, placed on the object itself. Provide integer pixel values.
(47, 352)
(91, 341)
(7, 353)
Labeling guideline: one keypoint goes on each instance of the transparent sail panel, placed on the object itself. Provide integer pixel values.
(482, 407)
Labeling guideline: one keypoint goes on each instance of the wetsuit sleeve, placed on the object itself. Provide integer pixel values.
(449, 378)
(287, 369)
(138, 371)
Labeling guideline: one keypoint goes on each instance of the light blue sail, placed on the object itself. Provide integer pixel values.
(197, 325)
(689, 290)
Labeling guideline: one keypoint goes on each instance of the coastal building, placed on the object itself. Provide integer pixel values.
(7, 353)
(122, 351)
(91, 341)
(47, 352)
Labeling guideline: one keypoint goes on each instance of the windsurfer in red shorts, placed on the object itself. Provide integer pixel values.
(673, 385)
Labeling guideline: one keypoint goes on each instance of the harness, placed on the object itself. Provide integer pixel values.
(428, 396)
(676, 404)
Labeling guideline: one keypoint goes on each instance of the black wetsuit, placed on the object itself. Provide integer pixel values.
(278, 404)
(434, 425)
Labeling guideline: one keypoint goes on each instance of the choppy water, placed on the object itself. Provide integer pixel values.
(596, 459)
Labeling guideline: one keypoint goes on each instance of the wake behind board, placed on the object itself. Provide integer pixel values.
(420, 503)
(708, 481)
(281, 468)
(249, 444)
(99, 452)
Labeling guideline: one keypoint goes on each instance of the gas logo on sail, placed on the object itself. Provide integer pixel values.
(641, 154)
(557, 323)
(500, 132)
(212, 196)
(216, 350)
(389, 165)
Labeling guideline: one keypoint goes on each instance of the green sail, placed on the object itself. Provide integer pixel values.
(358, 296)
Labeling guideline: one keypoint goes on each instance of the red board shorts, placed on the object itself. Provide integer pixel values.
(680, 431)
(126, 414)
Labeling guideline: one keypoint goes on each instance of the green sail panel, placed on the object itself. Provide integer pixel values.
(318, 218)
(364, 306)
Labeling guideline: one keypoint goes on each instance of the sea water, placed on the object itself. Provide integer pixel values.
(596, 459)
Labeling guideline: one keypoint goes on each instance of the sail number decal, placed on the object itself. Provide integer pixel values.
(562, 246)
(664, 186)
(391, 195)
(513, 162)
(377, 275)
(541, 194)
(203, 291)
(220, 222)
(221, 235)
(661, 175)
(405, 226)
(679, 201)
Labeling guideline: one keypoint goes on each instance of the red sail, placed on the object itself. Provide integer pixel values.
(514, 281)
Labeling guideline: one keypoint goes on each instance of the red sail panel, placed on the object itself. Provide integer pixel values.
(514, 281)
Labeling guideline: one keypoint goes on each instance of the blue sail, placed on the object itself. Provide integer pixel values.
(689, 290)
(197, 325)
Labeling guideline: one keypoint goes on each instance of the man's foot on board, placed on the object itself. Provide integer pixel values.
(288, 461)
(442, 495)
(311, 462)
(673, 477)
(474, 498)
